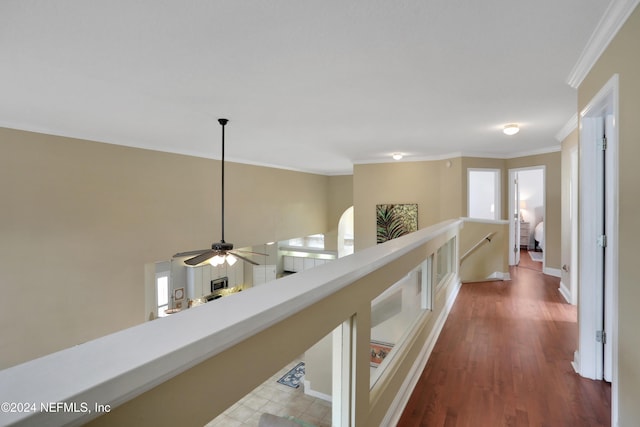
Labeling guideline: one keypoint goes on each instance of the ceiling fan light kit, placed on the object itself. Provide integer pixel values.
(220, 252)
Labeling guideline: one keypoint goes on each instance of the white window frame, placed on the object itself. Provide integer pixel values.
(497, 191)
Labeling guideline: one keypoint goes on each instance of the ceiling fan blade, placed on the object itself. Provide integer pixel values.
(198, 259)
(190, 253)
(245, 259)
(250, 252)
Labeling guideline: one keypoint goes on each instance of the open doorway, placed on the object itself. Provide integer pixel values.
(527, 214)
(345, 233)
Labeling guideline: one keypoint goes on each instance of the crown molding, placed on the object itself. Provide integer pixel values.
(408, 158)
(545, 150)
(569, 127)
(613, 19)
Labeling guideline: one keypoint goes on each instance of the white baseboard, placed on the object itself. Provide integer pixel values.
(576, 362)
(499, 275)
(555, 272)
(310, 392)
(496, 275)
(402, 398)
(564, 291)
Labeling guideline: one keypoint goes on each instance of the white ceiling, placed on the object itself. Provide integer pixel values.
(307, 85)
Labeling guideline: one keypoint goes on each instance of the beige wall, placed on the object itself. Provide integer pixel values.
(440, 189)
(79, 221)
(430, 184)
(489, 258)
(621, 57)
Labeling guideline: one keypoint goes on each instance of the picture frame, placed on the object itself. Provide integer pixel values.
(395, 220)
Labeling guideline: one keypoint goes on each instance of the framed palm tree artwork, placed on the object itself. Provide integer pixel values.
(395, 220)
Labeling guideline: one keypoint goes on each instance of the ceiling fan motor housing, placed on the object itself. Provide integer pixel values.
(222, 246)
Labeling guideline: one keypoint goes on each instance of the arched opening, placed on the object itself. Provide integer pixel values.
(345, 233)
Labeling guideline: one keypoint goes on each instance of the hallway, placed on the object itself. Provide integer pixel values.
(504, 359)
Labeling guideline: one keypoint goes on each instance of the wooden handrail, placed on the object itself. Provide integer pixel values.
(485, 239)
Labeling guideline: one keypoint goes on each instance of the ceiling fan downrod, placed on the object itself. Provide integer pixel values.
(222, 122)
(220, 251)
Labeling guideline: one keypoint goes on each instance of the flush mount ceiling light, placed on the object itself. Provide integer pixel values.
(511, 129)
(397, 156)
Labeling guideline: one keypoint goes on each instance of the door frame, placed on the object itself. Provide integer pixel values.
(514, 239)
(588, 359)
(574, 218)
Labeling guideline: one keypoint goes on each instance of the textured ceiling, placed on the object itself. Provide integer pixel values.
(307, 85)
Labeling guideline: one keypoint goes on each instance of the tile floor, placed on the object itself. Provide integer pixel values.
(276, 399)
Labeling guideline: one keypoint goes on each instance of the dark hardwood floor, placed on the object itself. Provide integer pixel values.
(504, 359)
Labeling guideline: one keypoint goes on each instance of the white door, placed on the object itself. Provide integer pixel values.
(597, 264)
(598, 269)
(516, 221)
(514, 218)
(609, 262)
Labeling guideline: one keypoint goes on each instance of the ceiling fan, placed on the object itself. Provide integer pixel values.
(221, 251)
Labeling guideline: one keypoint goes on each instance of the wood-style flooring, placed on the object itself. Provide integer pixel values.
(504, 359)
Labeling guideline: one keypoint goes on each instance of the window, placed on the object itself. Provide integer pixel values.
(394, 313)
(313, 241)
(483, 191)
(445, 259)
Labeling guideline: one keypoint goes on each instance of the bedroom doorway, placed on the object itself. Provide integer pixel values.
(527, 213)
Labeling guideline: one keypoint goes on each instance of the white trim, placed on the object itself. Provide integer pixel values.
(589, 298)
(128, 143)
(612, 20)
(555, 272)
(497, 191)
(409, 158)
(546, 150)
(515, 155)
(499, 275)
(401, 399)
(589, 355)
(204, 155)
(564, 291)
(575, 363)
(106, 370)
(485, 221)
(511, 174)
(513, 243)
(458, 154)
(569, 127)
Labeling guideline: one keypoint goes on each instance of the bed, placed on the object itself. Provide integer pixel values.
(538, 235)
